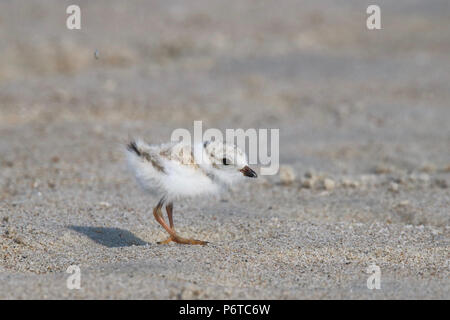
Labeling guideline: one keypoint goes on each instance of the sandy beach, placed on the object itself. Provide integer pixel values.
(364, 148)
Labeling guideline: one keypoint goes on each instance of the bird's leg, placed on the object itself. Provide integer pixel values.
(171, 230)
(169, 209)
(159, 217)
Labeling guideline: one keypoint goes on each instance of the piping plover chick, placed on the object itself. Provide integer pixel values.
(178, 170)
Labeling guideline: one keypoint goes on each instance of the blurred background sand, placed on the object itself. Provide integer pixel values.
(364, 141)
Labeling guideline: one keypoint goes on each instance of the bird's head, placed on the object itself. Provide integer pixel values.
(228, 158)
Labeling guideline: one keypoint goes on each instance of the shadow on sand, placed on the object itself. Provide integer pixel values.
(110, 237)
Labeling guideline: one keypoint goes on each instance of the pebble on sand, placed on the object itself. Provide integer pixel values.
(104, 204)
(393, 187)
(350, 183)
(309, 183)
(287, 175)
(383, 169)
(328, 184)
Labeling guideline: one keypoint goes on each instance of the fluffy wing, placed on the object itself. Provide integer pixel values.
(179, 153)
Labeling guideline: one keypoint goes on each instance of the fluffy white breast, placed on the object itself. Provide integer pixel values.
(170, 169)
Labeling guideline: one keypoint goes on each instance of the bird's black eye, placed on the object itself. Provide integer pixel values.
(225, 161)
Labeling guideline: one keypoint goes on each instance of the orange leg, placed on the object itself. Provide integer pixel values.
(169, 209)
(171, 230)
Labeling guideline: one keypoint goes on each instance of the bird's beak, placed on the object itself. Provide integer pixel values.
(246, 171)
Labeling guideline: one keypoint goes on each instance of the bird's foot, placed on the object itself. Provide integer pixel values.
(180, 240)
(167, 241)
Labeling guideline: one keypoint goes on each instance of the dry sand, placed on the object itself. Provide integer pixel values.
(364, 124)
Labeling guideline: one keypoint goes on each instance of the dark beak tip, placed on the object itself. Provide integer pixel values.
(248, 172)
